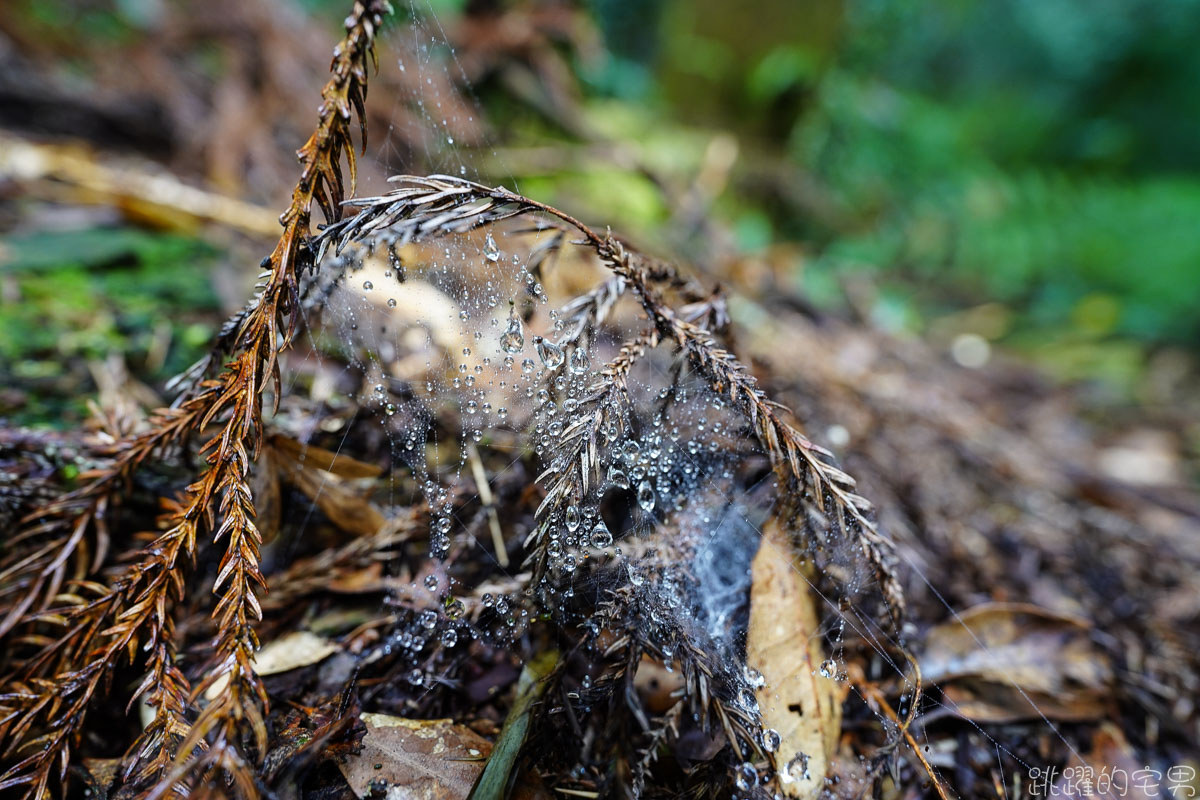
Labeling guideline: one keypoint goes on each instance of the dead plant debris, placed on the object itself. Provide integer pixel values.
(474, 500)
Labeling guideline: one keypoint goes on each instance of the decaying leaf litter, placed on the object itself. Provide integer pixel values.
(986, 499)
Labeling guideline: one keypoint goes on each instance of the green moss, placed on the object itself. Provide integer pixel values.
(71, 297)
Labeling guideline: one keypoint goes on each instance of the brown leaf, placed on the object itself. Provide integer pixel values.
(784, 644)
(1001, 662)
(360, 581)
(313, 457)
(345, 507)
(1108, 772)
(318, 474)
(295, 650)
(425, 759)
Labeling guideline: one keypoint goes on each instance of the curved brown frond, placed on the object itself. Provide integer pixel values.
(442, 204)
(45, 706)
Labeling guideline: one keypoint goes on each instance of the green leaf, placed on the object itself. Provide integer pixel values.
(494, 780)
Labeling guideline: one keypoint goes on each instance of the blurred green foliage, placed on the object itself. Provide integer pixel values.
(1033, 152)
(1038, 153)
(74, 296)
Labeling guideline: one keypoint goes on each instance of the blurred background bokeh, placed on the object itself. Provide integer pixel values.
(1016, 179)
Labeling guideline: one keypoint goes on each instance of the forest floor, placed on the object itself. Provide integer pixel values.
(1046, 533)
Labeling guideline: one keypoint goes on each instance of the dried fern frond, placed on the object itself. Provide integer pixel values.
(72, 631)
(442, 204)
(575, 460)
(44, 706)
(68, 538)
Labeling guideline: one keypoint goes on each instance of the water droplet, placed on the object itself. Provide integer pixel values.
(771, 740)
(490, 250)
(431, 582)
(796, 769)
(551, 354)
(748, 701)
(645, 496)
(449, 637)
(754, 677)
(513, 338)
(389, 409)
(572, 518)
(396, 264)
(746, 777)
(391, 302)
(579, 360)
(416, 677)
(428, 620)
(601, 536)
(829, 668)
(368, 286)
(618, 477)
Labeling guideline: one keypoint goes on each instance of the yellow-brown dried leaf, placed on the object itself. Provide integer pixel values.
(784, 644)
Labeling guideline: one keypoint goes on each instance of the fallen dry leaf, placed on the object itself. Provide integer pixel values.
(313, 457)
(321, 475)
(293, 651)
(784, 644)
(425, 759)
(420, 760)
(1108, 772)
(346, 508)
(1001, 662)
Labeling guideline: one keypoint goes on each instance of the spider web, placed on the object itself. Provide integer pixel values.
(464, 354)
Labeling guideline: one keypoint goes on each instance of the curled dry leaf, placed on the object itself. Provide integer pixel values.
(321, 476)
(1001, 662)
(418, 759)
(310, 455)
(658, 687)
(293, 651)
(1107, 772)
(783, 643)
(346, 507)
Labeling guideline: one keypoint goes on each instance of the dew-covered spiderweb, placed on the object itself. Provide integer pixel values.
(550, 464)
